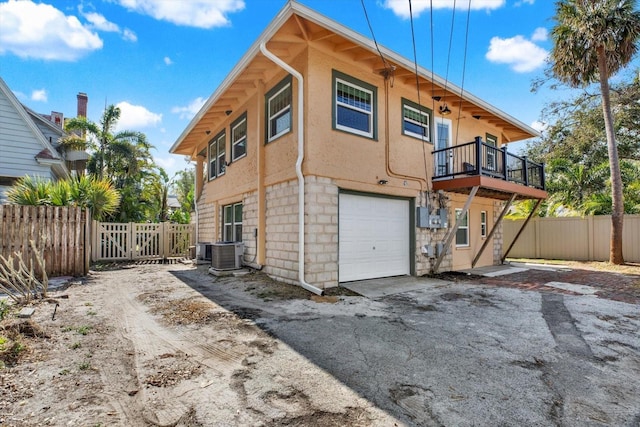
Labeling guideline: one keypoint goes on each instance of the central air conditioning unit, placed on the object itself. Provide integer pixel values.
(203, 251)
(227, 255)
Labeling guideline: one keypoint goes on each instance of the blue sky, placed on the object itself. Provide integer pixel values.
(159, 60)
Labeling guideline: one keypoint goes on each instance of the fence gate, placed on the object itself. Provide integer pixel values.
(133, 241)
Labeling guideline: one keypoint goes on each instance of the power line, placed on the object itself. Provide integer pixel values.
(388, 68)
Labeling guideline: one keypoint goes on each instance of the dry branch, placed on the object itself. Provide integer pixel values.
(20, 282)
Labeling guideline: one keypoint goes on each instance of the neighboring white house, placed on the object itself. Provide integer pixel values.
(27, 142)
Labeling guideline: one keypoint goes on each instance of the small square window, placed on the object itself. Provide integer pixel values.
(416, 121)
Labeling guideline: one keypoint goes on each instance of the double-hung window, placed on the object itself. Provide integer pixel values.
(462, 235)
(239, 138)
(483, 224)
(354, 105)
(217, 160)
(232, 223)
(278, 110)
(416, 120)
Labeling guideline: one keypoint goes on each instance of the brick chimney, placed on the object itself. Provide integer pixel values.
(83, 100)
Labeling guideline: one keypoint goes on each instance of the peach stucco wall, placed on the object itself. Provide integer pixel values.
(351, 162)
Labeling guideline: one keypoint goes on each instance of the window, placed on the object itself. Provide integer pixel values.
(354, 105)
(416, 120)
(462, 235)
(217, 162)
(239, 138)
(483, 224)
(278, 110)
(232, 223)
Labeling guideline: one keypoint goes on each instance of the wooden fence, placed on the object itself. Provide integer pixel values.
(60, 231)
(574, 238)
(132, 241)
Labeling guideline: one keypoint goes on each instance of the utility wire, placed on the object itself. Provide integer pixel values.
(415, 65)
(446, 76)
(464, 67)
(387, 67)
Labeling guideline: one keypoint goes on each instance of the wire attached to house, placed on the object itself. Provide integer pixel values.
(464, 68)
(446, 76)
(415, 65)
(388, 69)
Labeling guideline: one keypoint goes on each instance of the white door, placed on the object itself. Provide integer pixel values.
(373, 237)
(443, 160)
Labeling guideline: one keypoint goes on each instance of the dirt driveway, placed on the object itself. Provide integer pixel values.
(172, 345)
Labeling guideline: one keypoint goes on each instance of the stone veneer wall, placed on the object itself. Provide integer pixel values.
(498, 236)
(249, 225)
(321, 232)
(282, 231)
(206, 218)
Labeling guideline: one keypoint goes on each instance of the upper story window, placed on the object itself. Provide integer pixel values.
(278, 109)
(491, 152)
(416, 120)
(239, 138)
(217, 161)
(354, 104)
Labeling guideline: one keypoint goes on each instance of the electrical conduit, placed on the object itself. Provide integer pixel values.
(298, 76)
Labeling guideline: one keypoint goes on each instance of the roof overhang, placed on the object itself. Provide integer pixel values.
(314, 27)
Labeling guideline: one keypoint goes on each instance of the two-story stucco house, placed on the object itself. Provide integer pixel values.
(332, 164)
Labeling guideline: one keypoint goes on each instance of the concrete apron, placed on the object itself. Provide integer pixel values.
(375, 288)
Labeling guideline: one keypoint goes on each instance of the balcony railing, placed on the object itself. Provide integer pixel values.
(480, 158)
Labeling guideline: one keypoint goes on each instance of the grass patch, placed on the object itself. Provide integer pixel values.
(83, 330)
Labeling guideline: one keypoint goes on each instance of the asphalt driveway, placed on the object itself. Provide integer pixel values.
(465, 353)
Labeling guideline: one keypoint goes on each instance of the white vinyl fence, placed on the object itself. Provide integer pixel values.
(575, 238)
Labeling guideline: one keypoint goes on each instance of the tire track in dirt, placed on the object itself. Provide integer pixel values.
(151, 341)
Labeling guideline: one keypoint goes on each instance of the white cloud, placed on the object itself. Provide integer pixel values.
(41, 31)
(539, 126)
(129, 35)
(134, 117)
(190, 110)
(520, 54)
(193, 13)
(540, 34)
(99, 22)
(168, 60)
(39, 95)
(521, 2)
(401, 7)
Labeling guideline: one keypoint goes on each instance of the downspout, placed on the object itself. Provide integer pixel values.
(298, 76)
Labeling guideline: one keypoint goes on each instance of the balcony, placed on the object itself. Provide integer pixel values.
(497, 173)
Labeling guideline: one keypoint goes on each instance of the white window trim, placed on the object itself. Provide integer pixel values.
(426, 126)
(231, 223)
(351, 107)
(219, 170)
(461, 227)
(483, 224)
(236, 142)
(271, 116)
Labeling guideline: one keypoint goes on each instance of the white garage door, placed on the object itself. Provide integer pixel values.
(373, 237)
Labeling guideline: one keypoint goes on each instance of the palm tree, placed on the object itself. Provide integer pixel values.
(594, 39)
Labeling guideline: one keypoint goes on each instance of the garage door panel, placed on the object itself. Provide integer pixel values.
(374, 237)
